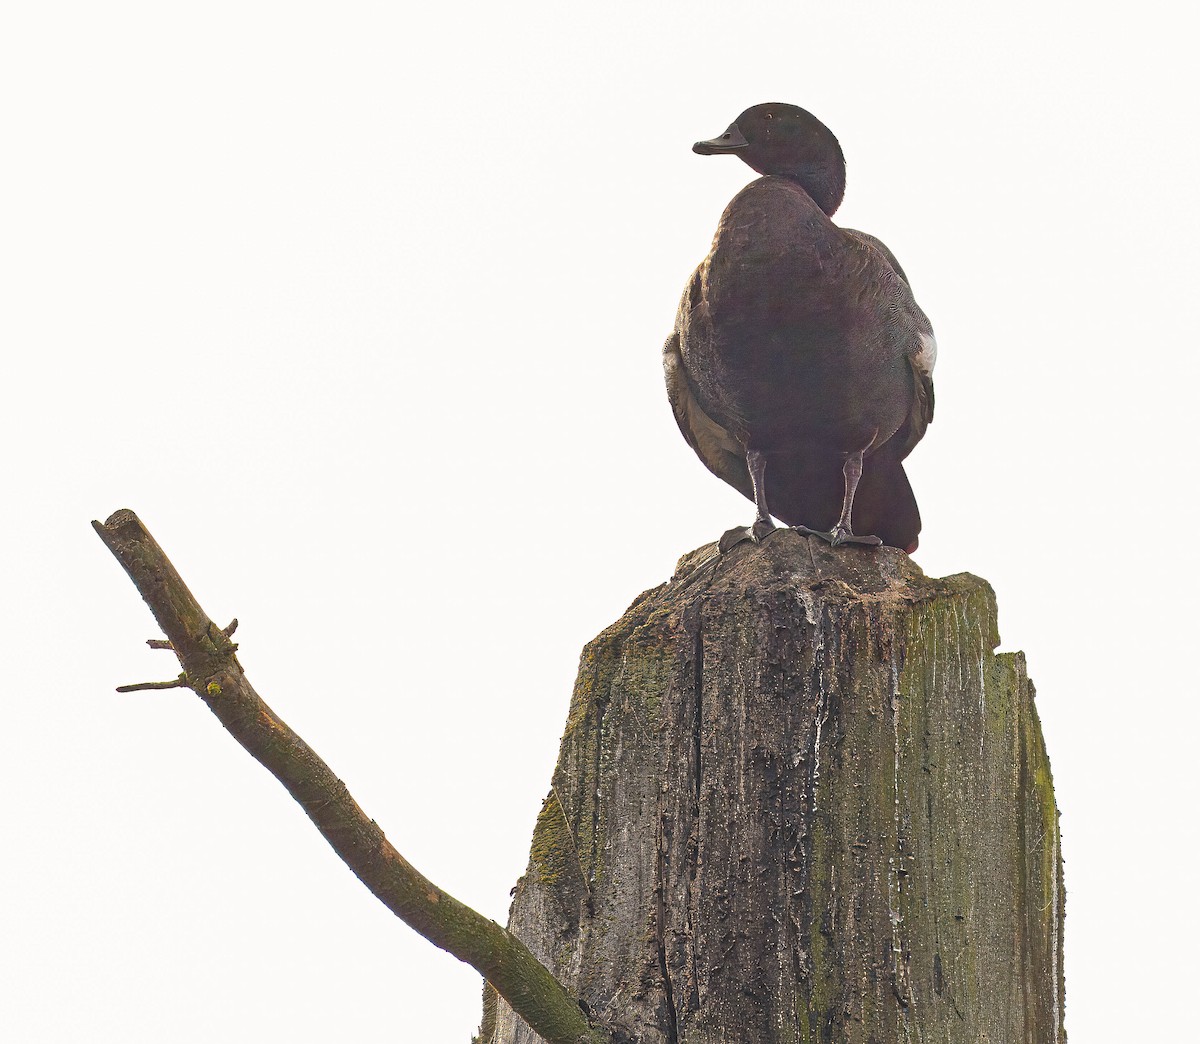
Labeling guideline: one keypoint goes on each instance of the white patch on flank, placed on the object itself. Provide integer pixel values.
(927, 356)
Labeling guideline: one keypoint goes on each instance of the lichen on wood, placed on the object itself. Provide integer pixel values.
(808, 802)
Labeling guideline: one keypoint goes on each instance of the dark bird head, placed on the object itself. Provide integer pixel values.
(787, 141)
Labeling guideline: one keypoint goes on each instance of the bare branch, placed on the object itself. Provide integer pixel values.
(212, 670)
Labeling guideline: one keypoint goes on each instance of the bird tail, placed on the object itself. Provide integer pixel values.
(884, 503)
(807, 490)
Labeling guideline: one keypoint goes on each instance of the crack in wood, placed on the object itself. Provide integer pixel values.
(661, 938)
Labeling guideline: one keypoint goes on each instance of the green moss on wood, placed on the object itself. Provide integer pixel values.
(552, 852)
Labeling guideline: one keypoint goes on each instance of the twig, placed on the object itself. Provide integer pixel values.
(179, 683)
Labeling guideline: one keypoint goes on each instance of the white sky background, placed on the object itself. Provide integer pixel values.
(361, 312)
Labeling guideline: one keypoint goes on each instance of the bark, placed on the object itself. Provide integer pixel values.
(800, 798)
(212, 670)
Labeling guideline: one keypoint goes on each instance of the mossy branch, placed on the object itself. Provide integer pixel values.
(212, 671)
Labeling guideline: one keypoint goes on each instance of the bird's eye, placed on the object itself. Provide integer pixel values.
(769, 116)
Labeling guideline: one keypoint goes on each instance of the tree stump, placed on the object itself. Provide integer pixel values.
(800, 798)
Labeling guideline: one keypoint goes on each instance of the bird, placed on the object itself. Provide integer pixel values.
(800, 369)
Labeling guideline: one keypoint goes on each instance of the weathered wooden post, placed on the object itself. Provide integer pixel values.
(800, 798)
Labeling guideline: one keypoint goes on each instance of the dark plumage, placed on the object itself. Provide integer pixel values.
(799, 355)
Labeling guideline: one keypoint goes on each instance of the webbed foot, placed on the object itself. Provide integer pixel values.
(756, 534)
(839, 535)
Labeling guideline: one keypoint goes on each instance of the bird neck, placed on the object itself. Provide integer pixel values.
(824, 183)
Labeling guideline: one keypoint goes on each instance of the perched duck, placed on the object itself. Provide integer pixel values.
(800, 369)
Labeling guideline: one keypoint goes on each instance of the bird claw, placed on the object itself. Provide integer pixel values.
(756, 534)
(762, 529)
(839, 535)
